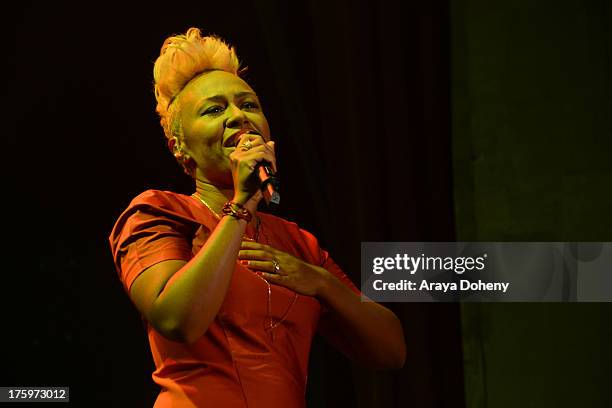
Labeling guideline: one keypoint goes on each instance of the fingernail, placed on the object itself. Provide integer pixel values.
(244, 262)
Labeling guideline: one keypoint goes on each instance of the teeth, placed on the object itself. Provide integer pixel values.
(237, 139)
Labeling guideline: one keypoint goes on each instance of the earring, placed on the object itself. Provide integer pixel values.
(184, 160)
(178, 154)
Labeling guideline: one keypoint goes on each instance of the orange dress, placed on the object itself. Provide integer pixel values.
(239, 361)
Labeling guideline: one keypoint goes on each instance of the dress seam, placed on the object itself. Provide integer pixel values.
(222, 324)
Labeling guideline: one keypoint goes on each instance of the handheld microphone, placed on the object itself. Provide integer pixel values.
(268, 182)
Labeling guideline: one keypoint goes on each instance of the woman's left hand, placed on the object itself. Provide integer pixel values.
(281, 268)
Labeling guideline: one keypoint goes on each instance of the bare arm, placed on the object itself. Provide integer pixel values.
(180, 299)
(364, 331)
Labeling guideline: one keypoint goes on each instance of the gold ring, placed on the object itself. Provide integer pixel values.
(246, 146)
(276, 266)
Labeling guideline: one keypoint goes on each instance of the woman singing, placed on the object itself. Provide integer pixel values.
(232, 297)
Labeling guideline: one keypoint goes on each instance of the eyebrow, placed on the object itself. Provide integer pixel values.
(221, 98)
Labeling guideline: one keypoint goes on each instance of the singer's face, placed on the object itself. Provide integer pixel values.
(213, 108)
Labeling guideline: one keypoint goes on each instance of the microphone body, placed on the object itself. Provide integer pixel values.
(269, 184)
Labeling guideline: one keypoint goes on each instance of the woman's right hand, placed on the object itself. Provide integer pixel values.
(243, 162)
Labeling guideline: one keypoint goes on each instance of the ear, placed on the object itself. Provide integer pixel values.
(173, 145)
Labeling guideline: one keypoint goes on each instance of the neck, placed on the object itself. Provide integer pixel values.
(214, 196)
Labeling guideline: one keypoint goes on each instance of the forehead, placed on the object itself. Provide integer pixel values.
(214, 83)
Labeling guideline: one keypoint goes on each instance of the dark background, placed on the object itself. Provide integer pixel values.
(394, 121)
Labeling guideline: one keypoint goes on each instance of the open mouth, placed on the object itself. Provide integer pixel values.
(233, 140)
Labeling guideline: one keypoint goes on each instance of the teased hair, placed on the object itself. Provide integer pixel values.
(181, 59)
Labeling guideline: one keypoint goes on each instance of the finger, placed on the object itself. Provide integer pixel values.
(270, 158)
(253, 158)
(272, 277)
(277, 269)
(256, 154)
(258, 151)
(249, 153)
(249, 164)
(244, 160)
(259, 265)
(272, 152)
(254, 254)
(251, 245)
(254, 138)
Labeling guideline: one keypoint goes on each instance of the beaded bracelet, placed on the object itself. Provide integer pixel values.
(237, 210)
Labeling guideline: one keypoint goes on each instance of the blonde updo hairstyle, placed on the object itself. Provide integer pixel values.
(182, 58)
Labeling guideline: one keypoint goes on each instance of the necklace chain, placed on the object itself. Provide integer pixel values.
(273, 324)
(257, 227)
(194, 195)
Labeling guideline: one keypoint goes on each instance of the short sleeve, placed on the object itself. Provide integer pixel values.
(144, 236)
(329, 265)
(325, 261)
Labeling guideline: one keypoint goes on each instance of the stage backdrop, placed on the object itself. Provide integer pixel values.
(357, 95)
(532, 139)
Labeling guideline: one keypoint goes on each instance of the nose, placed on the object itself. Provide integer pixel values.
(236, 117)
